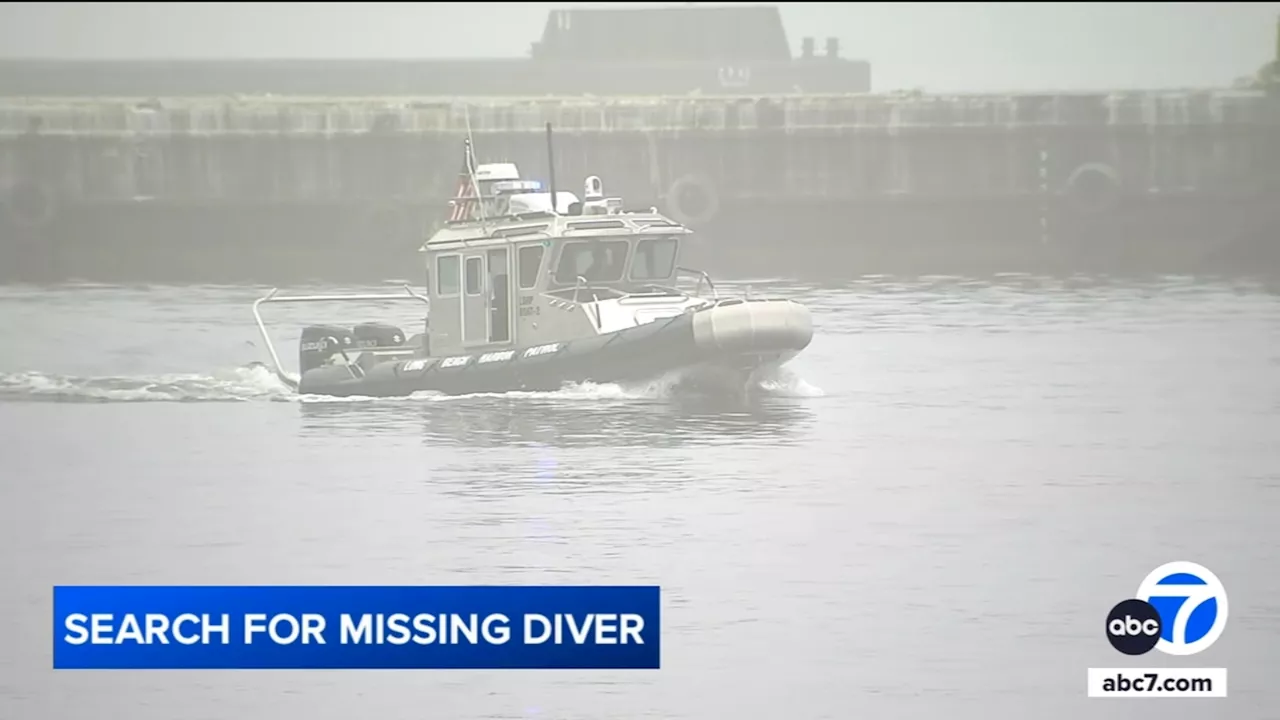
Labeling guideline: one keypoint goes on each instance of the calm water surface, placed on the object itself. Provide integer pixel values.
(928, 516)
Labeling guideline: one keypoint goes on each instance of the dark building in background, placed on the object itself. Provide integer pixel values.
(651, 51)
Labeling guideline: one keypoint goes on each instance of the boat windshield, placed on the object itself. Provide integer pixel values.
(655, 258)
(596, 261)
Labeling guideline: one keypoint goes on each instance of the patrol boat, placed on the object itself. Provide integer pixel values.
(530, 289)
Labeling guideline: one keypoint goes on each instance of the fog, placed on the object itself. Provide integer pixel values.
(935, 46)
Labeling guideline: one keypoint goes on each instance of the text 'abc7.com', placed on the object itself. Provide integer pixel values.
(1180, 609)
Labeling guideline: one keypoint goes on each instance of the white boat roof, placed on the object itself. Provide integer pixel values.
(520, 207)
(525, 203)
(497, 171)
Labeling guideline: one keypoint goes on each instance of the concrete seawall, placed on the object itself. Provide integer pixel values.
(237, 150)
(338, 189)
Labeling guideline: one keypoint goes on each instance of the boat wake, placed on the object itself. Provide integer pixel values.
(234, 385)
(256, 383)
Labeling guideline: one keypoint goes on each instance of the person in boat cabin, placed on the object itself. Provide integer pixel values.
(606, 264)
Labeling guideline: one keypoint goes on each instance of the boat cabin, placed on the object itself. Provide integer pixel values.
(513, 272)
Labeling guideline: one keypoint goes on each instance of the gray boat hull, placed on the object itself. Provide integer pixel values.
(738, 336)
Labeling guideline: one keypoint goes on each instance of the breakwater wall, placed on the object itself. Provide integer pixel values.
(249, 150)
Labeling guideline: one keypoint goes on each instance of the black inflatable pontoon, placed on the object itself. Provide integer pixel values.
(731, 337)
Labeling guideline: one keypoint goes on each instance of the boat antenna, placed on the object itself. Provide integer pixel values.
(551, 172)
(471, 167)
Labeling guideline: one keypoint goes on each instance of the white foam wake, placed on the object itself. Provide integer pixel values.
(785, 382)
(256, 383)
(234, 385)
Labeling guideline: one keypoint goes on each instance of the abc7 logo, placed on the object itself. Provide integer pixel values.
(1194, 604)
(1134, 627)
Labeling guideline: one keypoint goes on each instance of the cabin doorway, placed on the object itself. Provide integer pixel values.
(499, 296)
(475, 301)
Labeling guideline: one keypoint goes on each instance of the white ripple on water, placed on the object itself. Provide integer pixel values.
(239, 384)
(245, 384)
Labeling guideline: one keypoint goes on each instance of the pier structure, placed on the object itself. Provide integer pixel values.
(374, 174)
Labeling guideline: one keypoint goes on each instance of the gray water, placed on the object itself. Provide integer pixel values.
(928, 516)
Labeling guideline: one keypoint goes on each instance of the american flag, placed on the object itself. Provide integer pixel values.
(465, 197)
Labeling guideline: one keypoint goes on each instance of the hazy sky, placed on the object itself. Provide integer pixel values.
(940, 47)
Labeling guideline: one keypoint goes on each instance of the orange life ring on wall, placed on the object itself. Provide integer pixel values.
(1093, 188)
(692, 200)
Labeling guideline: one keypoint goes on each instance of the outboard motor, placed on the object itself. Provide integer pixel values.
(371, 335)
(321, 342)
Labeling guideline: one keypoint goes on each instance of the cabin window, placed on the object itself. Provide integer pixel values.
(596, 261)
(475, 275)
(530, 262)
(655, 258)
(446, 275)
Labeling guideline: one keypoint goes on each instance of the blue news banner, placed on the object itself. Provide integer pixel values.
(336, 627)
